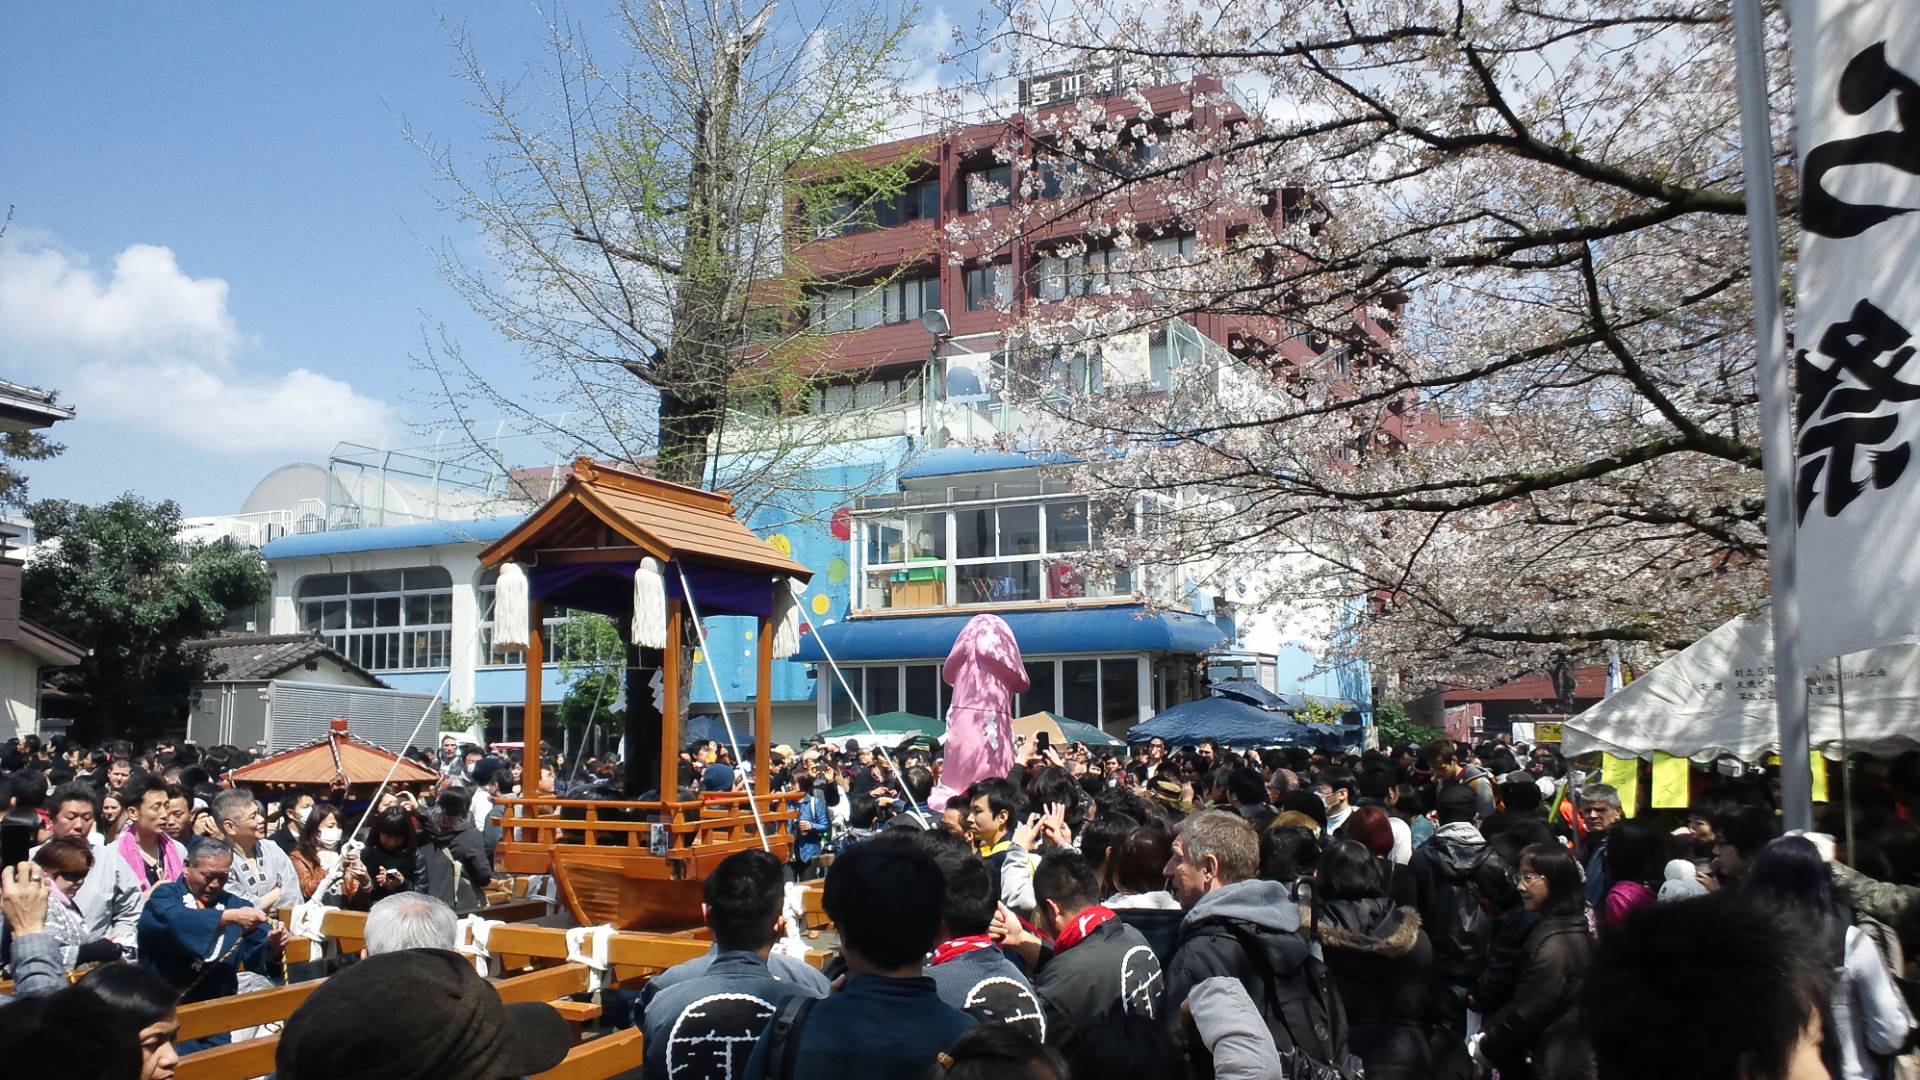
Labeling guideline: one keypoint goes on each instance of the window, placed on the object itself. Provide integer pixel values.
(923, 690)
(919, 200)
(1039, 695)
(883, 690)
(989, 186)
(840, 708)
(988, 287)
(386, 620)
(831, 311)
(1020, 550)
(1119, 694)
(553, 635)
(1080, 690)
(867, 394)
(1092, 271)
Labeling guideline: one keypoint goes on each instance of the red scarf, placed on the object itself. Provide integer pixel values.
(961, 946)
(1080, 926)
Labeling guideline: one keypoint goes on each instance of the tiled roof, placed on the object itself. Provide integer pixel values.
(251, 657)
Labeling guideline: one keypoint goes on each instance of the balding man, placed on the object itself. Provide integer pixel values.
(199, 937)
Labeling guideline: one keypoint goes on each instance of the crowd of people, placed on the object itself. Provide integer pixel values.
(1443, 910)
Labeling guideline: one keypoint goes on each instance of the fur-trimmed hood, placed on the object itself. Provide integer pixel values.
(1369, 927)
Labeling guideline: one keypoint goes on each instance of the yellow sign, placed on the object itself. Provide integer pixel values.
(1548, 731)
(1623, 775)
(1669, 781)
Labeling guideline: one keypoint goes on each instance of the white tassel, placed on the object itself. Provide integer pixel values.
(786, 621)
(510, 629)
(649, 605)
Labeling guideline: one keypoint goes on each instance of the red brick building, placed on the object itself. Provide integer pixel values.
(954, 180)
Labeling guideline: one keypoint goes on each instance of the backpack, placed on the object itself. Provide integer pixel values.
(1304, 1015)
(783, 1039)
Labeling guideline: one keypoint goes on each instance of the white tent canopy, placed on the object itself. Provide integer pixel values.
(1715, 697)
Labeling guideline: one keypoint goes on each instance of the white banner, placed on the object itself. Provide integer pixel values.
(1857, 397)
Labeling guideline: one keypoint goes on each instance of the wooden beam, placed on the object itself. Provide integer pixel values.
(588, 556)
(763, 704)
(530, 726)
(234, 1061)
(545, 984)
(609, 1055)
(221, 1015)
(670, 705)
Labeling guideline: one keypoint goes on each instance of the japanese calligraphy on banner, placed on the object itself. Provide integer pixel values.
(1857, 402)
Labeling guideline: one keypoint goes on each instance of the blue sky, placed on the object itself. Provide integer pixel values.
(221, 248)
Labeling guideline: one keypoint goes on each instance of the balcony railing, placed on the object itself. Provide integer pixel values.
(982, 548)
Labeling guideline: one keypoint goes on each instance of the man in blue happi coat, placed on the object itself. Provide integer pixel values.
(199, 937)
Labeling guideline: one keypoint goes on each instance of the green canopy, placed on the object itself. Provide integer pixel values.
(896, 724)
(1076, 732)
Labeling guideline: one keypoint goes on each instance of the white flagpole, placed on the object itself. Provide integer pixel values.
(1776, 412)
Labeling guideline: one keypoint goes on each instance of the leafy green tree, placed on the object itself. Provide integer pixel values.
(590, 654)
(117, 579)
(1397, 730)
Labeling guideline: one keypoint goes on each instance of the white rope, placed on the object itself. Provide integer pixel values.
(308, 921)
(340, 868)
(794, 908)
(594, 955)
(700, 632)
(470, 937)
(913, 808)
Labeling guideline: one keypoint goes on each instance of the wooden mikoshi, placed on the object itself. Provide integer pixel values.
(534, 966)
(638, 863)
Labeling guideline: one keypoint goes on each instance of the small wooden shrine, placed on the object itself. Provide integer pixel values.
(342, 761)
(652, 556)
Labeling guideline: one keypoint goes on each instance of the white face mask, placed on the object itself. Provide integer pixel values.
(300, 814)
(330, 838)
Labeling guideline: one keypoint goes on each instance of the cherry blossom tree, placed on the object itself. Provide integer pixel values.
(1484, 267)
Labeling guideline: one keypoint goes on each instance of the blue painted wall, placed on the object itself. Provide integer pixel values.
(867, 468)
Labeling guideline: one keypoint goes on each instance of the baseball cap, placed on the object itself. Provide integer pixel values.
(418, 1014)
(784, 750)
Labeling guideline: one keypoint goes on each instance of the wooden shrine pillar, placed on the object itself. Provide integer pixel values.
(530, 780)
(670, 706)
(763, 710)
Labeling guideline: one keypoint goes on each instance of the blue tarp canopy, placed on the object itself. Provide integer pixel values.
(1123, 628)
(1253, 694)
(702, 728)
(1235, 723)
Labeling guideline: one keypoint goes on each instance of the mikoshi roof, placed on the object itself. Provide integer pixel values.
(603, 507)
(339, 758)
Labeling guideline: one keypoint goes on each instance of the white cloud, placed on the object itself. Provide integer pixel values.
(154, 348)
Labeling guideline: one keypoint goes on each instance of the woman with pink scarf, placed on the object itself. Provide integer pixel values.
(144, 844)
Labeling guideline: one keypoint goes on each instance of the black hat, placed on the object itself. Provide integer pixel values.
(418, 1014)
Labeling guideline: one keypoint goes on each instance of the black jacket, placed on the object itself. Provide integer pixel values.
(1382, 966)
(1451, 871)
(412, 866)
(1109, 972)
(456, 864)
(1215, 939)
(1538, 1032)
(1160, 926)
